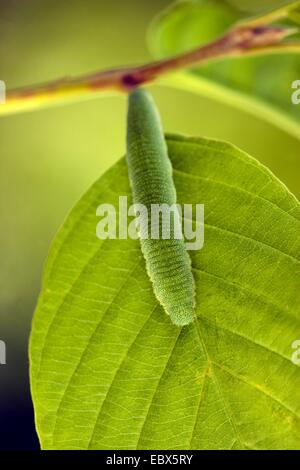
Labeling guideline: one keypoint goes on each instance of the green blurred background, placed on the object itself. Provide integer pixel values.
(50, 157)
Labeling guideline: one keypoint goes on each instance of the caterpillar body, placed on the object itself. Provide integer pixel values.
(150, 172)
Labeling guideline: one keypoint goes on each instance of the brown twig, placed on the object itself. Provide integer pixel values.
(241, 40)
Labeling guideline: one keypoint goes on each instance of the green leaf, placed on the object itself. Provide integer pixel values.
(294, 15)
(108, 368)
(266, 80)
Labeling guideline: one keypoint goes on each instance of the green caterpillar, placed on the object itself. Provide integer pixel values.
(150, 172)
